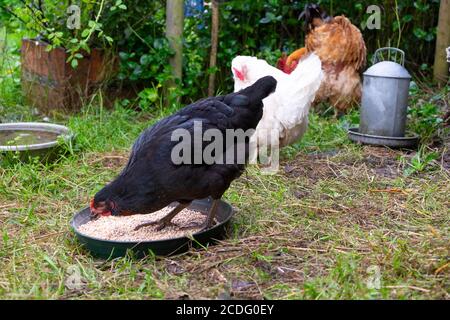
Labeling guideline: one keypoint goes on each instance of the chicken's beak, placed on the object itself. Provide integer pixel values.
(92, 208)
(98, 211)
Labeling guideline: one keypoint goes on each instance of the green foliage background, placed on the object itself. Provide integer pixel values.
(264, 28)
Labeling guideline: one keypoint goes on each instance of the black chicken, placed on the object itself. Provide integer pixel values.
(151, 181)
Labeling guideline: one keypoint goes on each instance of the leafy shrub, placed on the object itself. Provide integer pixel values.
(262, 28)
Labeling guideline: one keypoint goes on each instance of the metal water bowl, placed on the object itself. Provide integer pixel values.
(45, 149)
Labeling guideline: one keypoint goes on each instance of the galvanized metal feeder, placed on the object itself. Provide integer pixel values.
(385, 103)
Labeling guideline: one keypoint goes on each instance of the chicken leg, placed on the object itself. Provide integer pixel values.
(166, 220)
(209, 222)
(211, 214)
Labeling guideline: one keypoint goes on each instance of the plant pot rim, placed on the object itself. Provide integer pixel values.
(43, 42)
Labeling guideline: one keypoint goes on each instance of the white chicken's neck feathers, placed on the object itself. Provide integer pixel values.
(287, 109)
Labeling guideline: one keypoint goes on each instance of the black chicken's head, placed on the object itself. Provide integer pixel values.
(314, 16)
(125, 196)
(104, 203)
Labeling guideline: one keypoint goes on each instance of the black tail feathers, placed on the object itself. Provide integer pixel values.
(311, 12)
(253, 95)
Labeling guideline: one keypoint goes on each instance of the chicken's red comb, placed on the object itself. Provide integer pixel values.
(91, 204)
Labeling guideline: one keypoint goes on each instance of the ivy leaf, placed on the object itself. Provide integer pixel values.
(429, 37)
(74, 63)
(158, 43)
(396, 25)
(145, 59)
(419, 33)
(421, 6)
(137, 71)
(123, 55)
(268, 18)
(407, 18)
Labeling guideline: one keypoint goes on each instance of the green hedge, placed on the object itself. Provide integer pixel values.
(264, 28)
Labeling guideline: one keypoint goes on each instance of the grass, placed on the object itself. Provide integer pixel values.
(312, 231)
(338, 221)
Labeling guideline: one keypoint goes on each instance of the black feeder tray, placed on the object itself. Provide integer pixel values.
(108, 249)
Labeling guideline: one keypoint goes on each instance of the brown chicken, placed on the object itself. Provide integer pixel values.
(341, 48)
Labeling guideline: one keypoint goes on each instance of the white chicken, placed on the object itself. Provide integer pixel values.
(286, 111)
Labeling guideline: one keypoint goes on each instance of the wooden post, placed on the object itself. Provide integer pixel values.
(442, 42)
(174, 33)
(214, 42)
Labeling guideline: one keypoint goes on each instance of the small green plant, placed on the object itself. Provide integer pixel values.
(49, 21)
(425, 119)
(149, 97)
(421, 161)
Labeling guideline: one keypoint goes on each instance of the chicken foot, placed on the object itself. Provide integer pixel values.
(209, 222)
(210, 217)
(166, 220)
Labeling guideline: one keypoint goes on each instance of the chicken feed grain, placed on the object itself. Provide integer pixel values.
(121, 228)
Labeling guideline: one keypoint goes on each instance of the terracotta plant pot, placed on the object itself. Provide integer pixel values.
(50, 83)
